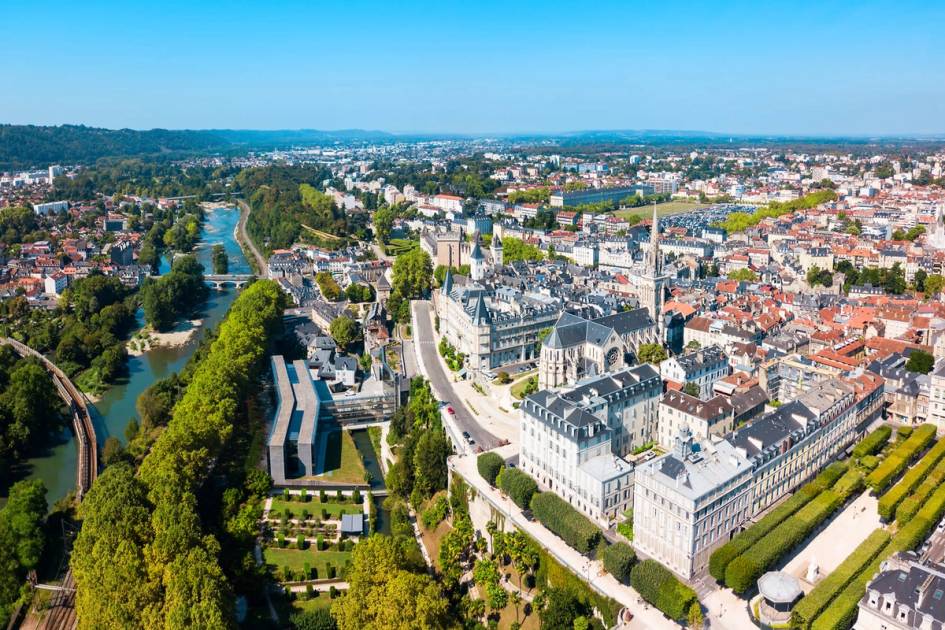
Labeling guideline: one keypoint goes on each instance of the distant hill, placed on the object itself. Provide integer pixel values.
(26, 146)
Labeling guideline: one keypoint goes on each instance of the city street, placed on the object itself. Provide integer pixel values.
(424, 342)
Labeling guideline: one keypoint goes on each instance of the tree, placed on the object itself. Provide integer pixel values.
(112, 451)
(743, 275)
(562, 607)
(221, 264)
(329, 288)
(652, 353)
(387, 591)
(489, 465)
(412, 274)
(345, 331)
(695, 618)
(920, 362)
(692, 389)
(919, 280)
(934, 284)
(619, 560)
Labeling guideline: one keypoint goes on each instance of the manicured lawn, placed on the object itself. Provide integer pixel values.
(310, 605)
(295, 559)
(662, 209)
(314, 508)
(507, 616)
(342, 460)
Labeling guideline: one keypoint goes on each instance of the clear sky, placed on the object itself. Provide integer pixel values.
(477, 66)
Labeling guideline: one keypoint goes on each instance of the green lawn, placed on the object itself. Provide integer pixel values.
(662, 209)
(295, 559)
(375, 435)
(342, 460)
(314, 507)
(518, 388)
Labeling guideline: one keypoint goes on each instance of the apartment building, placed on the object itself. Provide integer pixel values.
(906, 594)
(678, 411)
(702, 368)
(794, 442)
(574, 442)
(690, 501)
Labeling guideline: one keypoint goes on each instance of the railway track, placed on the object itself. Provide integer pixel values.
(62, 613)
(87, 461)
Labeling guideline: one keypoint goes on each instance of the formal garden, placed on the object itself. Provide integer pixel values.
(306, 538)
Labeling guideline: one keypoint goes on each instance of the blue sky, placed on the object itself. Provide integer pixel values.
(478, 66)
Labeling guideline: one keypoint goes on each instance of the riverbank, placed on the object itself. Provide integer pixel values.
(148, 339)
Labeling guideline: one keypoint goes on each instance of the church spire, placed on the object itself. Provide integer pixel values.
(654, 263)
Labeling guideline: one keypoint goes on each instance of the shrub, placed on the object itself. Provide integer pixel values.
(872, 443)
(435, 512)
(918, 528)
(565, 522)
(900, 457)
(904, 432)
(890, 501)
(300, 541)
(281, 539)
(356, 497)
(660, 588)
(489, 465)
(320, 542)
(619, 560)
(849, 484)
(331, 571)
(303, 496)
(828, 588)
(744, 571)
(321, 496)
(869, 462)
(722, 556)
(519, 486)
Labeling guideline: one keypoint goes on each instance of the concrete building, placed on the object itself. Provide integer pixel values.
(50, 207)
(291, 443)
(689, 502)
(562, 199)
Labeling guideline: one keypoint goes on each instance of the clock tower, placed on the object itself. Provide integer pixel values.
(654, 280)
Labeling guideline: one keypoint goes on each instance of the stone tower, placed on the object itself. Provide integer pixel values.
(496, 250)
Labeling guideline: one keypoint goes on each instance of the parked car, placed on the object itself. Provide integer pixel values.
(450, 410)
(466, 435)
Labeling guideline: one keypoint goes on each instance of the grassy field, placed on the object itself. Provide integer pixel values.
(320, 234)
(342, 460)
(662, 209)
(295, 559)
(314, 507)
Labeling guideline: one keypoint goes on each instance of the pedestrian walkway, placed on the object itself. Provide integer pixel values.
(591, 571)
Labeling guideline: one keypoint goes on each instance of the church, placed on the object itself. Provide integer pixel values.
(578, 348)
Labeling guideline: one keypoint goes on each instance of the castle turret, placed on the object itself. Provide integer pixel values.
(477, 262)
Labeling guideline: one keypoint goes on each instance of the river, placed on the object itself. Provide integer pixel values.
(111, 414)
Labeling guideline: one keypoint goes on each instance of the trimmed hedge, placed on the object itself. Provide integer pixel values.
(619, 560)
(869, 462)
(901, 456)
(910, 481)
(489, 465)
(918, 528)
(911, 504)
(565, 522)
(873, 443)
(842, 611)
(660, 588)
(721, 557)
(518, 485)
(744, 571)
(849, 484)
(812, 604)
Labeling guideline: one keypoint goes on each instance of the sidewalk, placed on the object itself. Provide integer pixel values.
(590, 571)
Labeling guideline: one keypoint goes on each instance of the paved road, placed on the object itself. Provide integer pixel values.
(425, 344)
(244, 237)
